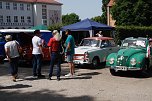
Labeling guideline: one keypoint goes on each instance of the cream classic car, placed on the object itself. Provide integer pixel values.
(94, 50)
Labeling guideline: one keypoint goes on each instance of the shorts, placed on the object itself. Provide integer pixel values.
(69, 58)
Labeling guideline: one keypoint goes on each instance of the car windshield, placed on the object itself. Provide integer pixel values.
(90, 42)
(134, 43)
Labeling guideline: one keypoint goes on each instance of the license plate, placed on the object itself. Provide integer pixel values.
(76, 62)
(122, 68)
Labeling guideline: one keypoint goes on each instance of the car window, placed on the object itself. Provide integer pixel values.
(105, 43)
(90, 42)
(134, 43)
(112, 43)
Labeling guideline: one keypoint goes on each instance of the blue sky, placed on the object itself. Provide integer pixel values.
(83, 8)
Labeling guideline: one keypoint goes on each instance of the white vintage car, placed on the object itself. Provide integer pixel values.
(94, 50)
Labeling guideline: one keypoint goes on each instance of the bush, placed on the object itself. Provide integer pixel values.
(122, 32)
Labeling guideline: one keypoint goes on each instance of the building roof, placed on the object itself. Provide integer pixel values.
(111, 3)
(38, 1)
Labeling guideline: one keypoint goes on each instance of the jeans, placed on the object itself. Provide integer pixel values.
(37, 60)
(55, 59)
(14, 66)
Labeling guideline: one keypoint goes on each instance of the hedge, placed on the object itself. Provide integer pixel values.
(122, 32)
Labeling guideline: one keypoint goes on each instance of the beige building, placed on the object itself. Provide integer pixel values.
(110, 20)
(28, 13)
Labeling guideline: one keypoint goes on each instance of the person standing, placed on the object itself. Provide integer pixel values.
(55, 49)
(12, 53)
(37, 54)
(69, 52)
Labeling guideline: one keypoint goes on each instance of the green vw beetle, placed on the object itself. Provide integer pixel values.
(131, 56)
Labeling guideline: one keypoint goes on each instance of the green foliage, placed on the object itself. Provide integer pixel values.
(104, 10)
(55, 27)
(97, 19)
(70, 19)
(122, 32)
(132, 12)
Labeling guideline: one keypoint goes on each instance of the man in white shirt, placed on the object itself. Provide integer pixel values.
(37, 54)
(12, 53)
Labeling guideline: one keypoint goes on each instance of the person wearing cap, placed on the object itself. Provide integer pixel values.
(37, 54)
(12, 53)
(69, 52)
(54, 45)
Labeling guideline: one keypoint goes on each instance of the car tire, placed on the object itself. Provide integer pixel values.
(113, 72)
(95, 62)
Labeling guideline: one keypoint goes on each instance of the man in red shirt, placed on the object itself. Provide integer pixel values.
(55, 48)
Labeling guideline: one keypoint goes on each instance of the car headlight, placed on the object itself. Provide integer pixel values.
(111, 61)
(133, 61)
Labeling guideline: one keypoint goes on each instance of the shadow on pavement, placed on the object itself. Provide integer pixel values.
(77, 77)
(43, 95)
(135, 74)
(17, 86)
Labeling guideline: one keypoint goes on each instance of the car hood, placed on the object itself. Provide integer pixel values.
(130, 51)
(83, 49)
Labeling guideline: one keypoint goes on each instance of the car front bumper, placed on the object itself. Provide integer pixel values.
(81, 62)
(124, 68)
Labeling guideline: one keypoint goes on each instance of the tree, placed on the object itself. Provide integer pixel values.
(132, 12)
(70, 19)
(97, 19)
(104, 10)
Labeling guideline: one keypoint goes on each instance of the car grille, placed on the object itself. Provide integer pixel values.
(121, 60)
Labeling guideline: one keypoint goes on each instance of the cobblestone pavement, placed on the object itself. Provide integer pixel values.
(88, 85)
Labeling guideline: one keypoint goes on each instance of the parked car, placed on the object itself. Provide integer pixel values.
(94, 50)
(24, 37)
(132, 56)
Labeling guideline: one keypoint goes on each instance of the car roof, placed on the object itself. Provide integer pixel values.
(100, 38)
(139, 38)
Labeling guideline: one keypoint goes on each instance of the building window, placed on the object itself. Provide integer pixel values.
(15, 6)
(1, 19)
(15, 18)
(7, 5)
(44, 22)
(28, 19)
(28, 7)
(22, 19)
(21, 6)
(44, 14)
(8, 18)
(1, 5)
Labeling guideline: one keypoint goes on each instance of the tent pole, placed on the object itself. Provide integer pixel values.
(91, 32)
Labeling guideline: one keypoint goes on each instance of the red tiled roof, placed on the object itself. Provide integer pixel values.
(38, 1)
(111, 3)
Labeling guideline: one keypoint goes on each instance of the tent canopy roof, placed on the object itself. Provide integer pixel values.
(86, 25)
(40, 27)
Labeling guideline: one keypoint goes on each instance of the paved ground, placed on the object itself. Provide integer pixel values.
(89, 85)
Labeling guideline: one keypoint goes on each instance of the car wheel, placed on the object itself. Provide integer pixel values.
(95, 62)
(113, 72)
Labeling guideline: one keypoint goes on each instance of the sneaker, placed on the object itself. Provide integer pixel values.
(16, 76)
(58, 79)
(68, 75)
(34, 75)
(13, 79)
(41, 76)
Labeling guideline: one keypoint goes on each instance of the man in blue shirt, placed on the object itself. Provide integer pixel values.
(69, 52)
